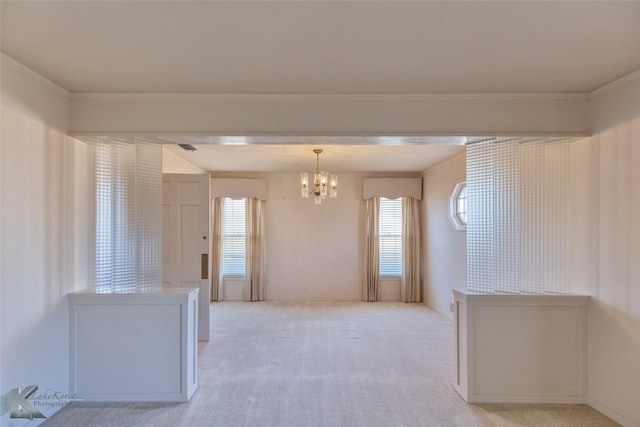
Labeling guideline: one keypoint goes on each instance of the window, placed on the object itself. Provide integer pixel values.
(458, 207)
(233, 237)
(390, 237)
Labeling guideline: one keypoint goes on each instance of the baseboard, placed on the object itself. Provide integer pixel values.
(445, 313)
(611, 413)
(532, 399)
(149, 396)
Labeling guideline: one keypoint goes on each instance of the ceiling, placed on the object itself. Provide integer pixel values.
(325, 47)
(340, 154)
(317, 47)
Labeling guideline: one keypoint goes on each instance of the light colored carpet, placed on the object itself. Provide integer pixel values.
(325, 364)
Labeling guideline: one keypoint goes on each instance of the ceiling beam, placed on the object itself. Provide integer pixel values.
(329, 115)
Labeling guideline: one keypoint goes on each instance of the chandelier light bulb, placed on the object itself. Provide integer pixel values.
(304, 180)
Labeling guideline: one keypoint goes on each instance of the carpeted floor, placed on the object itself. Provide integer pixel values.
(325, 364)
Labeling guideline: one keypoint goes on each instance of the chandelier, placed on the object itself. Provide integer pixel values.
(323, 184)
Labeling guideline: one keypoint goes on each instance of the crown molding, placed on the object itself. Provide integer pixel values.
(165, 137)
(634, 75)
(326, 97)
(28, 72)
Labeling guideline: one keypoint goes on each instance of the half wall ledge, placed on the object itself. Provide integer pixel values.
(521, 348)
(133, 346)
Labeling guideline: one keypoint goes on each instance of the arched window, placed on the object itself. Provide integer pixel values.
(458, 207)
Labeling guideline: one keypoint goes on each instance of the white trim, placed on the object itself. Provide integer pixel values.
(28, 72)
(614, 84)
(327, 97)
(611, 413)
(168, 134)
(529, 399)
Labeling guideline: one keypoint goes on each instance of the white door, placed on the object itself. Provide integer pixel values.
(185, 239)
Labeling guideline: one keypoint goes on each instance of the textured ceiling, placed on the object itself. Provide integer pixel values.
(341, 158)
(337, 47)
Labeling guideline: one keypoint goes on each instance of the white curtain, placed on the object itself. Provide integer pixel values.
(216, 249)
(254, 280)
(410, 284)
(371, 252)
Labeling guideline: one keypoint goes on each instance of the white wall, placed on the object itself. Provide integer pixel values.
(314, 252)
(611, 273)
(445, 250)
(605, 172)
(43, 229)
(172, 163)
